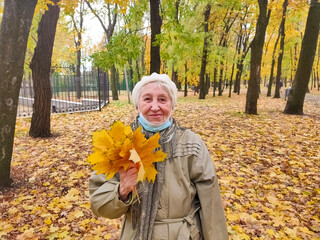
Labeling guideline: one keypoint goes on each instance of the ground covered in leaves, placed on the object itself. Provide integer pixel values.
(268, 167)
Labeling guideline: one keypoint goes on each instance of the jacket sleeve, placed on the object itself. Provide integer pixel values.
(203, 175)
(104, 197)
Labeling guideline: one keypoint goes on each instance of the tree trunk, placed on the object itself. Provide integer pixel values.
(156, 22)
(138, 70)
(78, 44)
(207, 83)
(114, 84)
(273, 63)
(295, 57)
(238, 51)
(308, 47)
(15, 27)
(231, 78)
(238, 46)
(240, 66)
(131, 74)
(220, 90)
(215, 73)
(280, 57)
(142, 60)
(237, 82)
(185, 81)
(315, 78)
(318, 67)
(41, 68)
(236, 87)
(291, 66)
(174, 76)
(202, 86)
(318, 80)
(256, 56)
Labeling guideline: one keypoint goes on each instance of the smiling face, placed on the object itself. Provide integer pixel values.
(155, 103)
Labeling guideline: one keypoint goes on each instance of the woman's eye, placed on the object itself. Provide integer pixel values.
(163, 100)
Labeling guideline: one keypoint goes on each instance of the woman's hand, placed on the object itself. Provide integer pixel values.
(128, 181)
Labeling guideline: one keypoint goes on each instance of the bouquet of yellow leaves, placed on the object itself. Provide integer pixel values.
(118, 147)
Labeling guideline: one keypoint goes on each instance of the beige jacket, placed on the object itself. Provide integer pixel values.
(190, 205)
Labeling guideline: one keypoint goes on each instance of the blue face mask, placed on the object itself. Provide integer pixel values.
(151, 127)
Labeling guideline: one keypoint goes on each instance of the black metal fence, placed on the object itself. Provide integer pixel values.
(90, 92)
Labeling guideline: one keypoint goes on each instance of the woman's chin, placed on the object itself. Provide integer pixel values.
(156, 120)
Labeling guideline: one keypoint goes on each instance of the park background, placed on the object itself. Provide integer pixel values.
(267, 160)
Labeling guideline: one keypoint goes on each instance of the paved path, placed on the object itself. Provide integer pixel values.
(313, 99)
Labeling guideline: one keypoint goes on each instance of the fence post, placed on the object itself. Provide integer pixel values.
(107, 83)
(30, 85)
(84, 84)
(99, 94)
(53, 86)
(104, 87)
(127, 85)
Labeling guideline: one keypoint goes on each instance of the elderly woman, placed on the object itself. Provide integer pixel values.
(184, 202)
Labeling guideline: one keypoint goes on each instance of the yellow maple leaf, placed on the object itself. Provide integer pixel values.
(118, 147)
(101, 140)
(145, 149)
(270, 232)
(48, 221)
(239, 192)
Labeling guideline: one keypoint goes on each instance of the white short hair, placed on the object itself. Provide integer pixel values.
(163, 80)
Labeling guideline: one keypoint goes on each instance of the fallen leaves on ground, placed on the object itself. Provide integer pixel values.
(268, 168)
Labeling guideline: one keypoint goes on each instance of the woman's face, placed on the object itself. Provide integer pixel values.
(154, 103)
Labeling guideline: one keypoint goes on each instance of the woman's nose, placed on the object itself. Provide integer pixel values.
(154, 106)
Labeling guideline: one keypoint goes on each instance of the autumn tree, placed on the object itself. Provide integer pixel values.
(273, 63)
(78, 27)
(308, 47)
(204, 60)
(15, 27)
(112, 15)
(228, 21)
(182, 34)
(256, 56)
(134, 27)
(64, 50)
(122, 48)
(174, 77)
(171, 52)
(156, 22)
(243, 46)
(281, 53)
(41, 66)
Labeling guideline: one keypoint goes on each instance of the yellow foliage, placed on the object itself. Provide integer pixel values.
(123, 4)
(118, 147)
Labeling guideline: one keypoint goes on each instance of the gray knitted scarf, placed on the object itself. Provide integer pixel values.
(144, 213)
